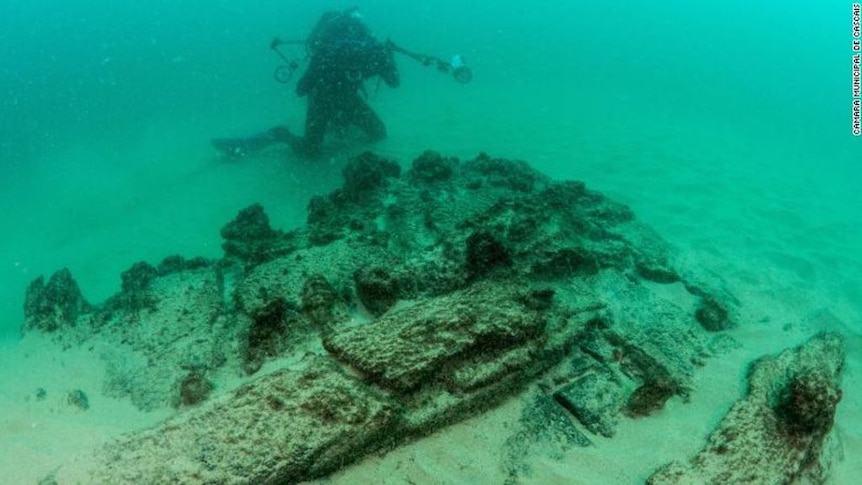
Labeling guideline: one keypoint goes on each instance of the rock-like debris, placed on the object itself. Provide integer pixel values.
(544, 429)
(366, 174)
(807, 404)
(712, 315)
(270, 333)
(78, 399)
(431, 167)
(194, 389)
(651, 396)
(321, 304)
(52, 306)
(595, 399)
(484, 253)
(779, 432)
(407, 303)
(284, 427)
(438, 340)
(376, 289)
(249, 237)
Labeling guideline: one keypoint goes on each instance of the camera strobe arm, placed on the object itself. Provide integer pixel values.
(461, 72)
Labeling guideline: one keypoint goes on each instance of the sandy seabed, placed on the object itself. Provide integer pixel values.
(781, 236)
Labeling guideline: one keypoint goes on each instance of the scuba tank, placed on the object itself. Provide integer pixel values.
(339, 34)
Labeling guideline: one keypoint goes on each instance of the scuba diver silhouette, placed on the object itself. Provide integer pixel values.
(342, 55)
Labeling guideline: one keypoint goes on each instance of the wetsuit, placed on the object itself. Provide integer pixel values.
(343, 55)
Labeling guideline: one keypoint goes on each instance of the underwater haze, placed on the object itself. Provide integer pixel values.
(726, 126)
(107, 109)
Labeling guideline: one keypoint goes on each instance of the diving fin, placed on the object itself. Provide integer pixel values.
(243, 147)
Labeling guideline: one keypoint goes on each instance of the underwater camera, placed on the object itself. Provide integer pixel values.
(460, 71)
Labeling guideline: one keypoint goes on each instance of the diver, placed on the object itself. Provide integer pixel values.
(343, 54)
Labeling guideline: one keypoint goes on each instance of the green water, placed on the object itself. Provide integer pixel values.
(727, 127)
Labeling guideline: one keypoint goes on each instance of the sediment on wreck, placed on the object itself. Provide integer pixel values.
(780, 431)
(411, 300)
